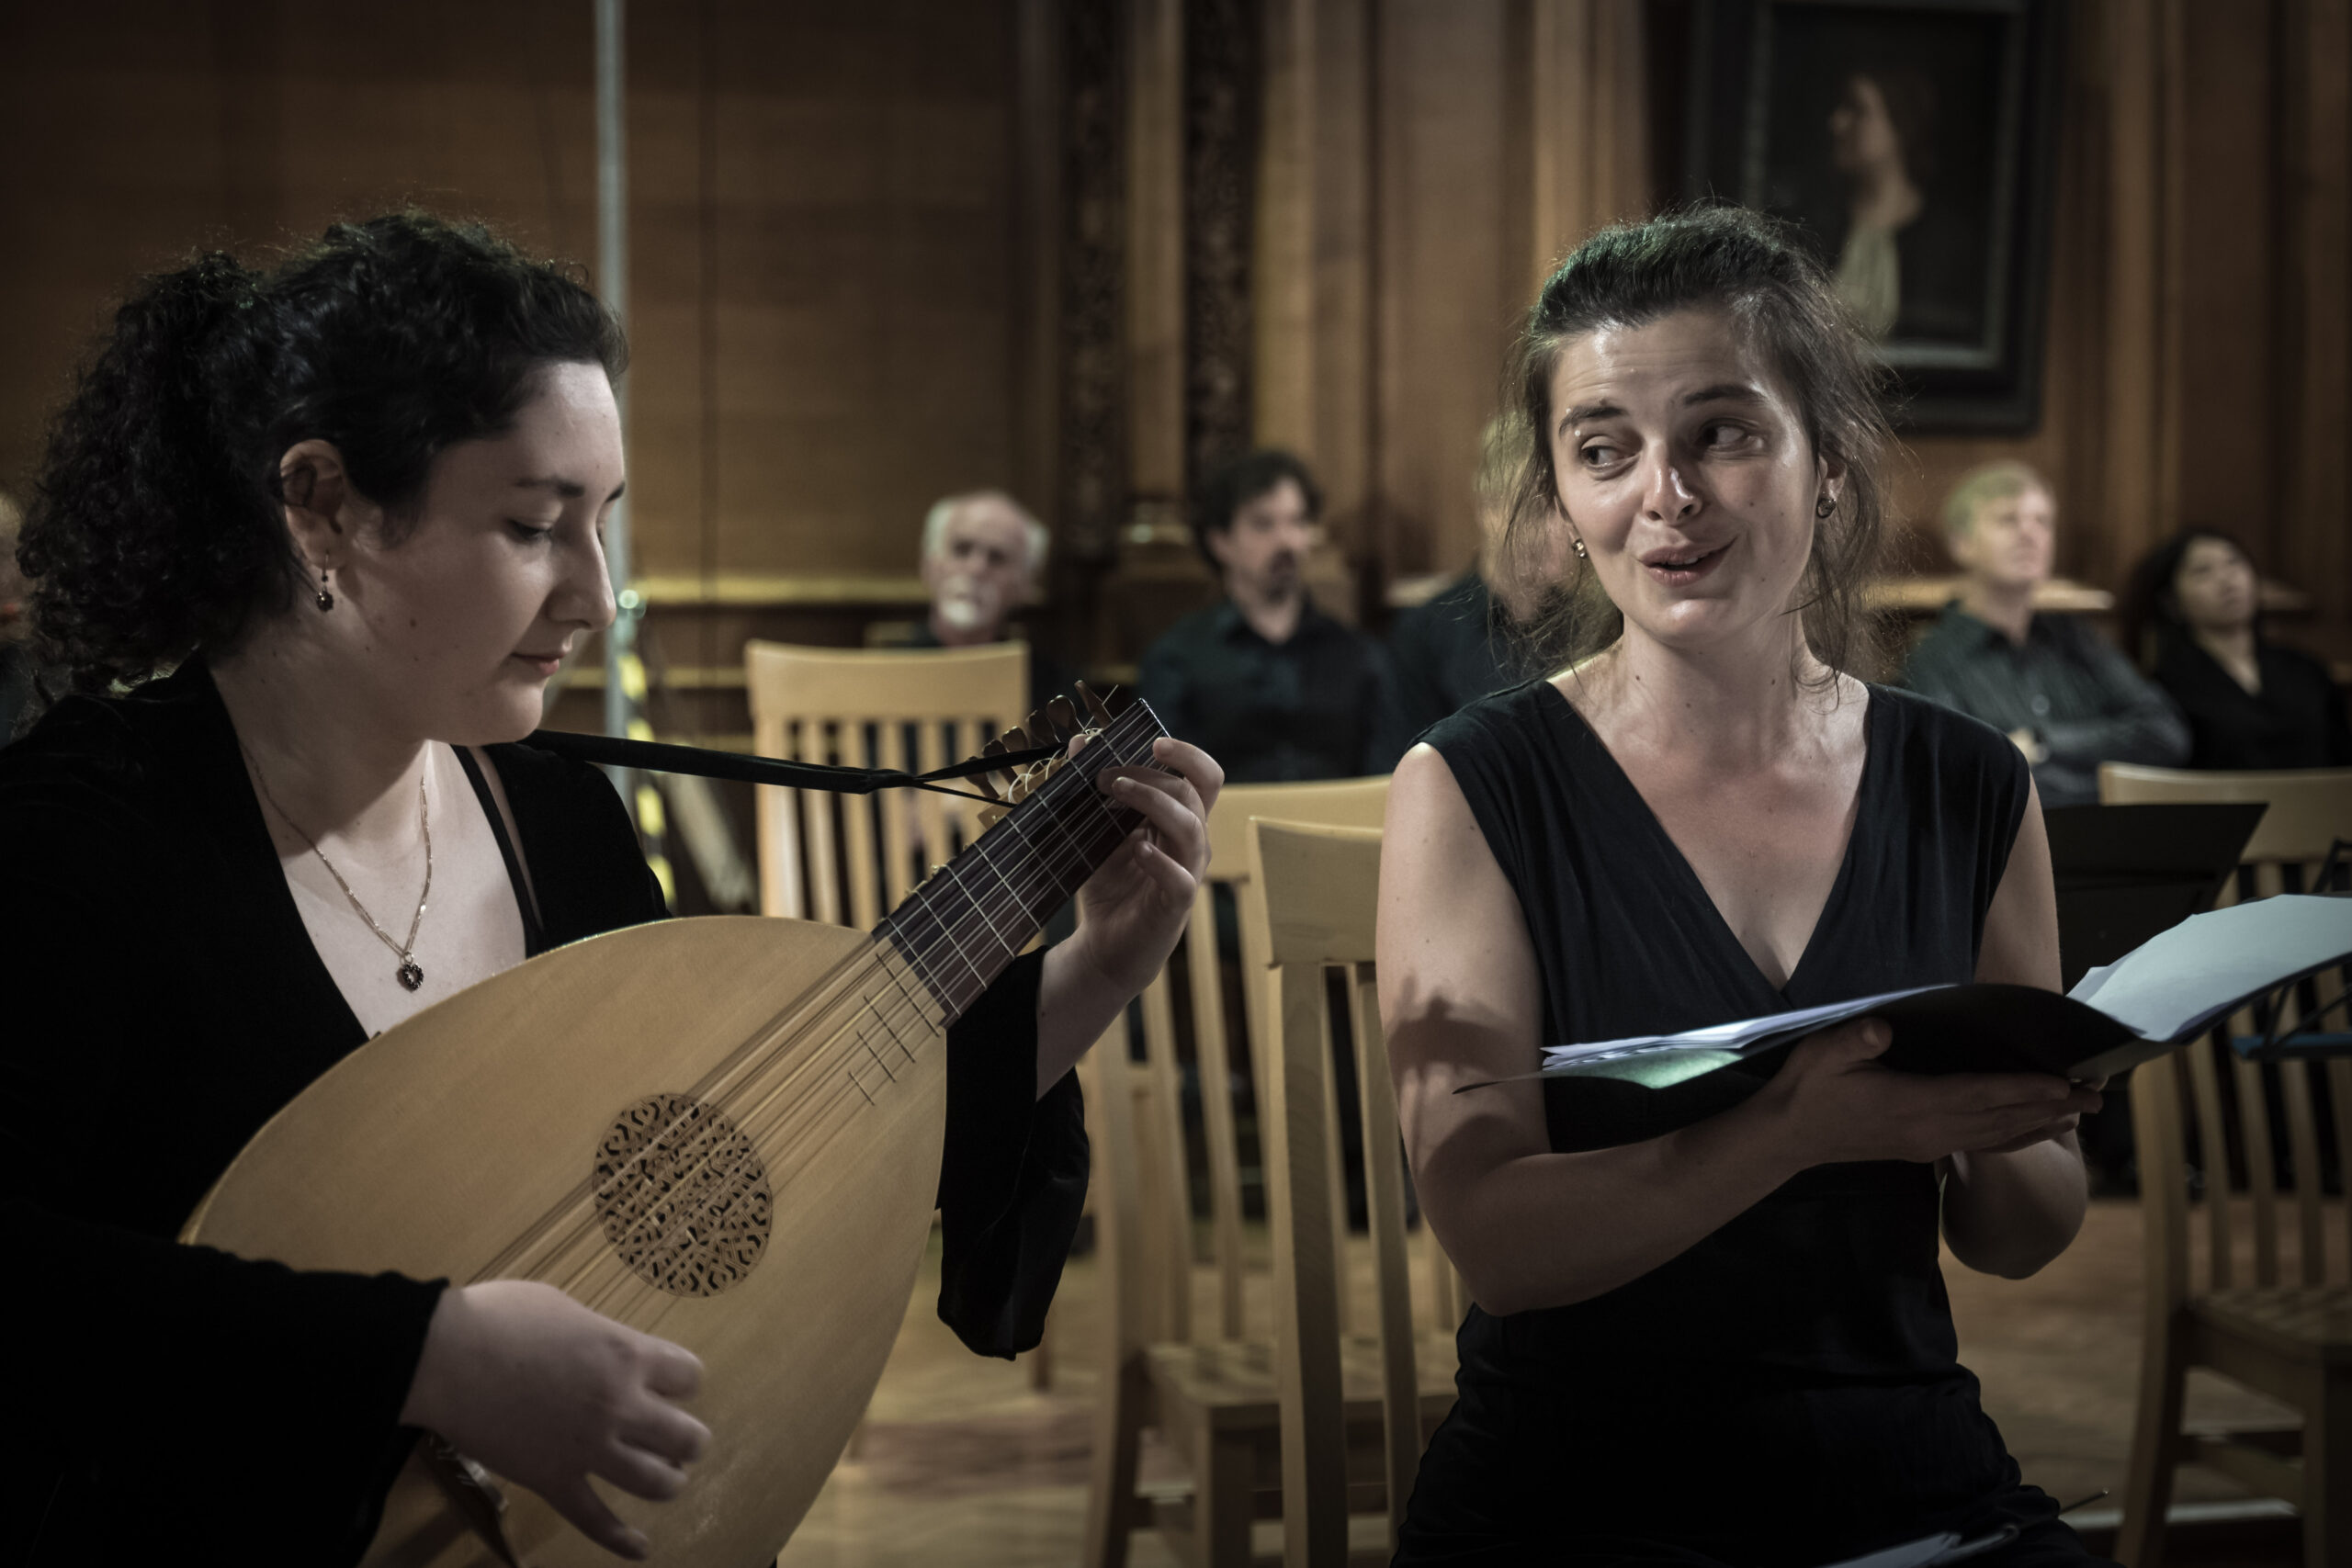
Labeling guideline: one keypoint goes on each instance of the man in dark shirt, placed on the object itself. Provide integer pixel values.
(1267, 684)
(2067, 699)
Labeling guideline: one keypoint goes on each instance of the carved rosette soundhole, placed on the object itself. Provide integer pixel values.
(682, 1195)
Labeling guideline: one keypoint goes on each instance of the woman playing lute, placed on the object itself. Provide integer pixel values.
(307, 545)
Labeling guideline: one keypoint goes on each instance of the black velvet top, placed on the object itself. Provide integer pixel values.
(1787, 1391)
(2296, 720)
(164, 1001)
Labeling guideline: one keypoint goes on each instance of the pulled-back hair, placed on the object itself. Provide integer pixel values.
(156, 528)
(1750, 268)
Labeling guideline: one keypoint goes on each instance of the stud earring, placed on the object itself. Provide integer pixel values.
(1579, 543)
(1824, 506)
(324, 597)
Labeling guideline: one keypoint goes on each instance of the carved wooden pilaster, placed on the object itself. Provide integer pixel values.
(1222, 87)
(1093, 293)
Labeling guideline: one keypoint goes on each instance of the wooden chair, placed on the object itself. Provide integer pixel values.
(848, 860)
(2287, 1333)
(1214, 1399)
(1317, 888)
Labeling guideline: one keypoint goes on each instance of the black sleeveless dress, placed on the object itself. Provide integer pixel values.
(1786, 1392)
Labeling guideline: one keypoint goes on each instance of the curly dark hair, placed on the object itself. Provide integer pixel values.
(1752, 267)
(1236, 482)
(156, 528)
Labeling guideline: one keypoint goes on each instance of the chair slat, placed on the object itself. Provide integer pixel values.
(1384, 1206)
(861, 855)
(1306, 1317)
(1335, 1177)
(1215, 1070)
(2302, 1150)
(2213, 1129)
(820, 814)
(779, 815)
(2261, 1167)
(899, 871)
(2339, 1098)
(1171, 1184)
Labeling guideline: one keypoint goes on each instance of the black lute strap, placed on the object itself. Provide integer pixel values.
(655, 756)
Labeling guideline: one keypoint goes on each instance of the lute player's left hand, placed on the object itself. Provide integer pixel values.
(1131, 911)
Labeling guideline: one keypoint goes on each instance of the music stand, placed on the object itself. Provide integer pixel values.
(2125, 872)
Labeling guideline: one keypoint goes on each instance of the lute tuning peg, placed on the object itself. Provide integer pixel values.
(1095, 705)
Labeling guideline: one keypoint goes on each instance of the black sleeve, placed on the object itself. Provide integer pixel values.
(156, 1379)
(1013, 1176)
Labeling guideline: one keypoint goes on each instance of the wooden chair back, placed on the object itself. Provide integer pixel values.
(848, 860)
(2266, 1305)
(2234, 1114)
(1316, 888)
(1352, 803)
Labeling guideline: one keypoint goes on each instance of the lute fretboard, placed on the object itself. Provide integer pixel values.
(959, 930)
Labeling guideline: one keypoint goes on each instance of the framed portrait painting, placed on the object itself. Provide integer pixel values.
(1914, 144)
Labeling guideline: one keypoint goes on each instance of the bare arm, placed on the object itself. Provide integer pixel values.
(1460, 997)
(2009, 1212)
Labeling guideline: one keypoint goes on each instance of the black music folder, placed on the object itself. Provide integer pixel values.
(2163, 994)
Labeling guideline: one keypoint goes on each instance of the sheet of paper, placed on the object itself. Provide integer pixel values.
(2174, 985)
(1734, 1036)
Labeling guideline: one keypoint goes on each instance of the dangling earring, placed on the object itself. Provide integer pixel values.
(325, 598)
(1824, 506)
(1578, 541)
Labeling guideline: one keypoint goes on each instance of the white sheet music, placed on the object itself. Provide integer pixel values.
(2176, 984)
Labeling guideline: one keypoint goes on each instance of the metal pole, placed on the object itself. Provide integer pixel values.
(612, 274)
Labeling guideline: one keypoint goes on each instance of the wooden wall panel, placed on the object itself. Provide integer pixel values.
(826, 257)
(1448, 286)
(139, 130)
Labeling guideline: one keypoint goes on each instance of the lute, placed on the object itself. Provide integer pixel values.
(724, 1131)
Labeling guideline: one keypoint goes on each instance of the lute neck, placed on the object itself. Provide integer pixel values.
(959, 930)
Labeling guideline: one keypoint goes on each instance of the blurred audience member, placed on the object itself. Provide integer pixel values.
(1271, 685)
(16, 646)
(982, 555)
(1467, 642)
(2192, 611)
(2067, 699)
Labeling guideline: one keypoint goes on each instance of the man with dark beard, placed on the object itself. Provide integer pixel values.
(1282, 690)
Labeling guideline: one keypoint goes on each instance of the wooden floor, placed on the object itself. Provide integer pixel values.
(962, 1462)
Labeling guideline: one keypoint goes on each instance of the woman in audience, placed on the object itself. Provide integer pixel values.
(307, 545)
(1710, 1325)
(2192, 611)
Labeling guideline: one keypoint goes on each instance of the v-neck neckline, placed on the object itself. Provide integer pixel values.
(1695, 889)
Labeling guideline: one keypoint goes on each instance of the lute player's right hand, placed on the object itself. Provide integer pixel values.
(522, 1379)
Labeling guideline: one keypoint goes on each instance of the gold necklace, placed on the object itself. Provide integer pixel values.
(409, 974)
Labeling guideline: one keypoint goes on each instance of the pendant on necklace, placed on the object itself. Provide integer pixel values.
(409, 974)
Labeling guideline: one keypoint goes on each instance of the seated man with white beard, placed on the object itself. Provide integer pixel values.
(982, 553)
